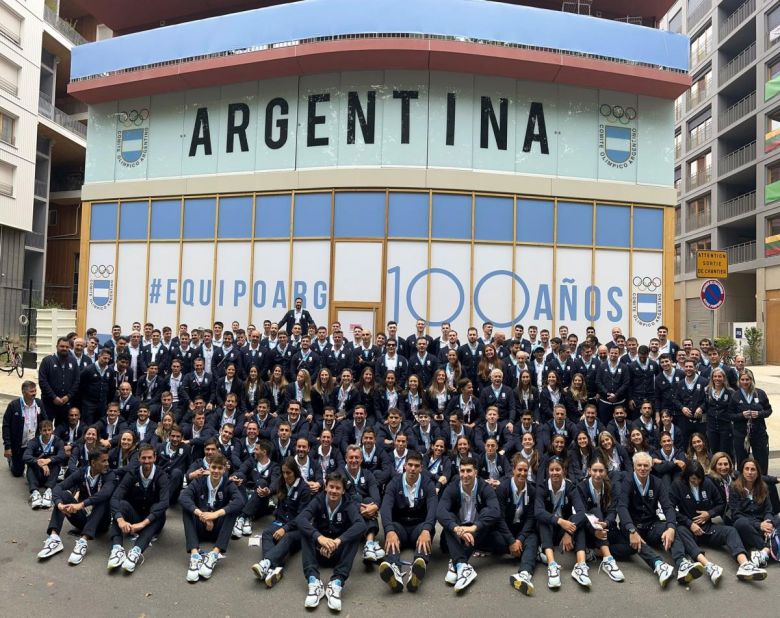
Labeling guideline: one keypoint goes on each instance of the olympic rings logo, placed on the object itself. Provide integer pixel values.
(623, 115)
(134, 116)
(646, 284)
(101, 270)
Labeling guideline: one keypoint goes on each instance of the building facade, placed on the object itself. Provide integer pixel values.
(727, 167)
(484, 166)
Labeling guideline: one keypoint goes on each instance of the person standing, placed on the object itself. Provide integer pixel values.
(21, 423)
(59, 376)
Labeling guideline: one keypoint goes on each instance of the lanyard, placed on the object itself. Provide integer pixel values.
(642, 490)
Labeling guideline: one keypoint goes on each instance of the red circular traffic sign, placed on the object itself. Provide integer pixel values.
(713, 295)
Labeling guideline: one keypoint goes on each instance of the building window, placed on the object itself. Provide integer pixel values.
(701, 46)
(773, 173)
(772, 188)
(773, 68)
(701, 244)
(9, 76)
(772, 135)
(677, 260)
(678, 180)
(700, 171)
(75, 296)
(677, 220)
(773, 25)
(7, 128)
(7, 179)
(772, 240)
(700, 89)
(699, 130)
(53, 217)
(10, 24)
(675, 23)
(698, 213)
(677, 145)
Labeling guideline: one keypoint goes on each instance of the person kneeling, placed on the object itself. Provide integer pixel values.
(331, 531)
(83, 498)
(209, 507)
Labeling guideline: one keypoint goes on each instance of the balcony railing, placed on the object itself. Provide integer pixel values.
(690, 261)
(740, 62)
(694, 97)
(741, 108)
(696, 219)
(699, 137)
(40, 188)
(36, 240)
(63, 27)
(737, 158)
(737, 206)
(701, 52)
(698, 13)
(699, 178)
(736, 18)
(743, 252)
(46, 108)
(71, 182)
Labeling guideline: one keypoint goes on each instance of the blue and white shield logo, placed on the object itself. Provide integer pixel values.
(132, 147)
(646, 300)
(132, 137)
(646, 307)
(101, 293)
(617, 143)
(618, 135)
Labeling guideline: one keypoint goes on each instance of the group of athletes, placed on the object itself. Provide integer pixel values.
(531, 445)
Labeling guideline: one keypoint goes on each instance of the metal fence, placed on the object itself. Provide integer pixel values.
(743, 252)
(733, 21)
(737, 206)
(737, 158)
(734, 112)
(63, 27)
(739, 63)
(47, 109)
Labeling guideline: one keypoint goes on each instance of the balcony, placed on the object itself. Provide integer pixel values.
(740, 109)
(743, 252)
(737, 158)
(47, 109)
(41, 190)
(699, 178)
(697, 219)
(738, 64)
(699, 137)
(701, 53)
(698, 13)
(63, 27)
(740, 205)
(733, 21)
(35, 240)
(693, 98)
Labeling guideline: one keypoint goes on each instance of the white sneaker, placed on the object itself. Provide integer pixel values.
(522, 581)
(715, 573)
(378, 551)
(133, 559)
(78, 553)
(580, 574)
(610, 567)
(542, 557)
(314, 594)
(46, 501)
(417, 574)
(369, 555)
(194, 567)
(688, 571)
(246, 528)
(208, 564)
(748, 571)
(274, 576)
(261, 569)
(333, 592)
(451, 577)
(391, 575)
(116, 558)
(238, 528)
(664, 572)
(553, 575)
(52, 545)
(757, 557)
(465, 577)
(36, 500)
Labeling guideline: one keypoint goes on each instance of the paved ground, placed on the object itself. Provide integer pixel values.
(158, 588)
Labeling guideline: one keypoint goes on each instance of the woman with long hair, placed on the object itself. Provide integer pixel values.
(698, 450)
(387, 396)
(413, 398)
(550, 396)
(601, 504)
(749, 408)
(637, 442)
(467, 403)
(461, 451)
(322, 392)
(555, 450)
(488, 363)
(438, 464)
(254, 390)
(751, 510)
(366, 391)
(163, 430)
(698, 501)
(576, 397)
(614, 456)
(453, 369)
(282, 537)
(716, 406)
(275, 389)
(438, 396)
(124, 455)
(580, 456)
(300, 391)
(530, 454)
(526, 395)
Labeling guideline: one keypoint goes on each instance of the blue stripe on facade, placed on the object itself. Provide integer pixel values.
(133, 220)
(360, 215)
(535, 220)
(272, 216)
(575, 224)
(613, 225)
(166, 220)
(235, 217)
(102, 224)
(648, 228)
(199, 216)
(493, 218)
(488, 21)
(408, 216)
(451, 216)
(312, 215)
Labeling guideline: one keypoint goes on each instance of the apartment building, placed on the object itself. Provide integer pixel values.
(727, 164)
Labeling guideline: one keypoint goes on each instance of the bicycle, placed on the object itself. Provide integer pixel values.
(10, 359)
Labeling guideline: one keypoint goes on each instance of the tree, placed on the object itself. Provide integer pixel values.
(753, 336)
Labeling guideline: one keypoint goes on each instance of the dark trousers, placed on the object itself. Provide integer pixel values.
(255, 506)
(530, 551)
(131, 515)
(620, 547)
(176, 477)
(750, 533)
(195, 531)
(16, 463)
(90, 525)
(759, 448)
(550, 536)
(58, 414)
(716, 536)
(606, 409)
(276, 552)
(688, 427)
(485, 539)
(37, 479)
(407, 539)
(720, 436)
(341, 560)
